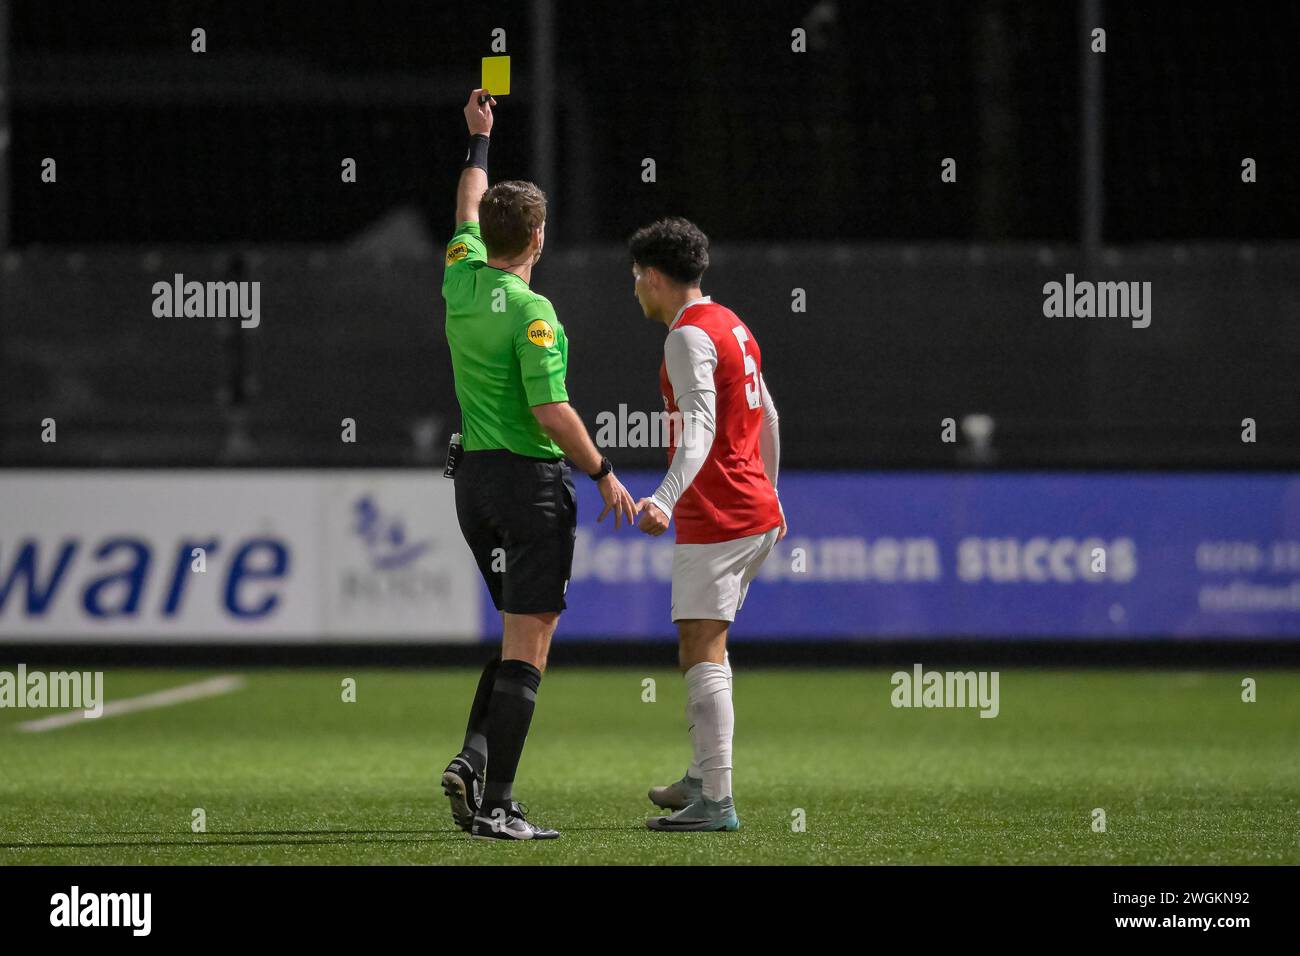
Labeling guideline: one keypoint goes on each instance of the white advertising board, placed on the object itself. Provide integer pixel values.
(301, 556)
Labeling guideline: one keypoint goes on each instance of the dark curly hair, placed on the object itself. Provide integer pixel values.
(676, 247)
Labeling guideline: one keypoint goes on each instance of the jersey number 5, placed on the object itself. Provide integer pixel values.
(752, 394)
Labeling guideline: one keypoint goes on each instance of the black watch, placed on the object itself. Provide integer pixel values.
(605, 469)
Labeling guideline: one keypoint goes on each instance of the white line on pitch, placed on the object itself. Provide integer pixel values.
(214, 687)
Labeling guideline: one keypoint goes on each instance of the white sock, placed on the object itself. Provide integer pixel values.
(712, 719)
(694, 771)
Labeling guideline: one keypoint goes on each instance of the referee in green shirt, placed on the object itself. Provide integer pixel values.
(514, 497)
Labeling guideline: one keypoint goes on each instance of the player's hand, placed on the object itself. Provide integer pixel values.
(781, 534)
(616, 499)
(479, 118)
(653, 521)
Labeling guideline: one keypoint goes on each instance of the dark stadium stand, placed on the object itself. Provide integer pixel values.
(862, 379)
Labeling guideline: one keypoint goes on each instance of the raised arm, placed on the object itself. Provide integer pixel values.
(473, 178)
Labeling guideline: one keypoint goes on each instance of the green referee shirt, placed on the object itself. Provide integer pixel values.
(508, 351)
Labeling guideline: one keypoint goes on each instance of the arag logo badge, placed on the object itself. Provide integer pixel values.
(541, 334)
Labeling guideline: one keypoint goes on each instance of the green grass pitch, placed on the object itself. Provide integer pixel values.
(288, 773)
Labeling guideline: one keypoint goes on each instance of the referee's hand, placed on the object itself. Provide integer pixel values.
(479, 118)
(617, 500)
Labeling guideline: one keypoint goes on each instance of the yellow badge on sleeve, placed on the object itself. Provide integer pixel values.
(541, 334)
(457, 252)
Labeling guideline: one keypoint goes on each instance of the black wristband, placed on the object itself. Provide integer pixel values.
(605, 469)
(477, 154)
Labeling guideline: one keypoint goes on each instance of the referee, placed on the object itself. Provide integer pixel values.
(514, 497)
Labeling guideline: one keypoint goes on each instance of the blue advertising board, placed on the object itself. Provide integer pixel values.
(988, 555)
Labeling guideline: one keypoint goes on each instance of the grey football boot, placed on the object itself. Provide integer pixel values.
(679, 795)
(704, 815)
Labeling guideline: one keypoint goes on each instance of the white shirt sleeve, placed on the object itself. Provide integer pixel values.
(690, 359)
(769, 442)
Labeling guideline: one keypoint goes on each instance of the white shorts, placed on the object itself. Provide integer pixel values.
(710, 580)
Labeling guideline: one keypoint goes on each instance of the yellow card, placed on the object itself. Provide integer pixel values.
(496, 75)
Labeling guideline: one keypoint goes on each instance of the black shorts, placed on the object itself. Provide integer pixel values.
(519, 517)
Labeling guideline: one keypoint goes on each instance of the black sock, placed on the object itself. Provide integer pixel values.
(510, 711)
(475, 750)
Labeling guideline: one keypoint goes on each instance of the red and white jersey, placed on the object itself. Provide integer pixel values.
(718, 488)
